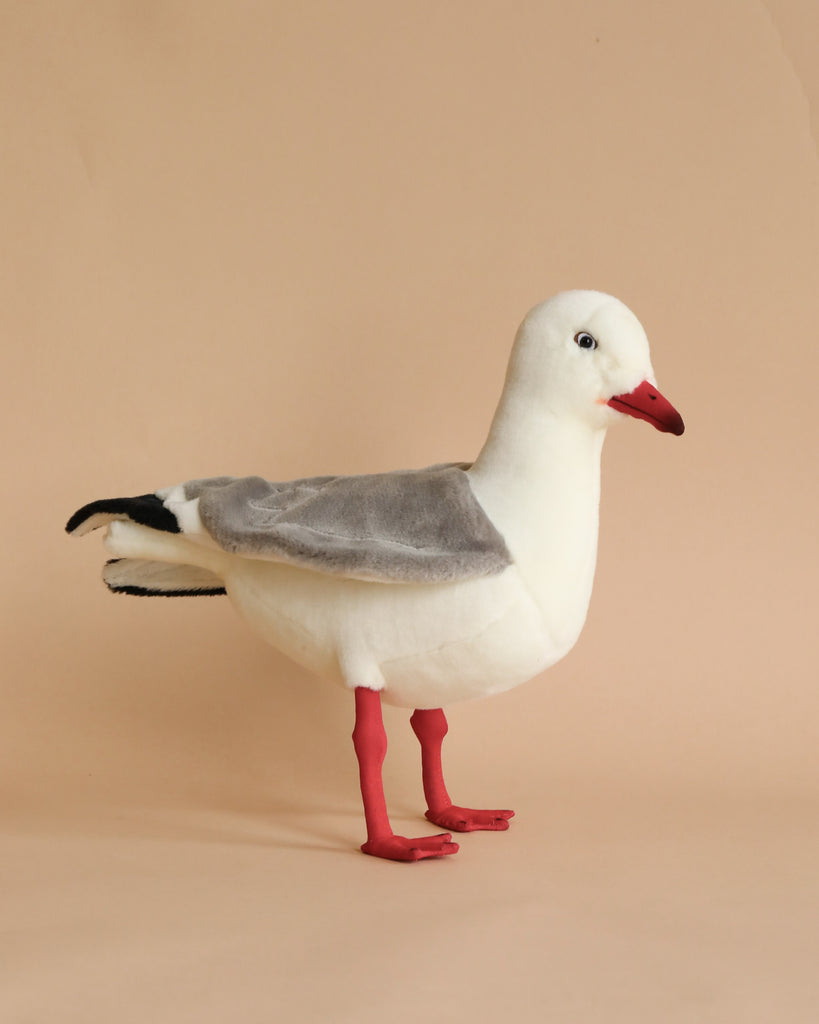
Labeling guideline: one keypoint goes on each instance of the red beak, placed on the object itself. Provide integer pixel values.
(646, 403)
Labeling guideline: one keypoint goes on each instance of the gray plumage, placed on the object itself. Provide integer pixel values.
(409, 526)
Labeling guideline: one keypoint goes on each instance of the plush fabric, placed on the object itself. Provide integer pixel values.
(142, 578)
(413, 526)
(418, 588)
(147, 509)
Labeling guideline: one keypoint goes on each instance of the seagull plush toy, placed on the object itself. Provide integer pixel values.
(418, 587)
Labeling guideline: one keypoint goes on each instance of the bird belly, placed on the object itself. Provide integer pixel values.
(422, 645)
(504, 653)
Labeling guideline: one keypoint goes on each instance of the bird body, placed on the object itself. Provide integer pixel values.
(421, 644)
(424, 587)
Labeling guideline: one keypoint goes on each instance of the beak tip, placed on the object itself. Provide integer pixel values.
(677, 428)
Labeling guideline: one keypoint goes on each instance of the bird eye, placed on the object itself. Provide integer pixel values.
(585, 340)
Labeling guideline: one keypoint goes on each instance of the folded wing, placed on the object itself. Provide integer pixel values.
(411, 526)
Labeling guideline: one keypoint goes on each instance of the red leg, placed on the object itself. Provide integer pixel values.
(430, 727)
(370, 742)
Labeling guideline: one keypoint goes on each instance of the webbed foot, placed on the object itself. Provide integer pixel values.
(402, 848)
(465, 819)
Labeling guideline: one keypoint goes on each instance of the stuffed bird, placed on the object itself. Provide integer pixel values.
(418, 587)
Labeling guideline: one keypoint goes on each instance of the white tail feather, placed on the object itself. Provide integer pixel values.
(138, 575)
(125, 539)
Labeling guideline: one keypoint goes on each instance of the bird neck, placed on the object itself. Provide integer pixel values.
(533, 457)
(538, 479)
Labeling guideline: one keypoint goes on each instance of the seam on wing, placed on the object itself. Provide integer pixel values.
(381, 541)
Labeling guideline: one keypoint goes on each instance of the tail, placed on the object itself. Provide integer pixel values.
(143, 578)
(168, 572)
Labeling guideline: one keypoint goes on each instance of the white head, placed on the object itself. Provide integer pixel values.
(583, 354)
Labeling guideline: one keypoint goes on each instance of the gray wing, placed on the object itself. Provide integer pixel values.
(413, 526)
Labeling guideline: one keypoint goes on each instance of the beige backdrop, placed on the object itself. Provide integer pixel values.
(289, 239)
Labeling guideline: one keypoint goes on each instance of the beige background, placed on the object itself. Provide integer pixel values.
(285, 239)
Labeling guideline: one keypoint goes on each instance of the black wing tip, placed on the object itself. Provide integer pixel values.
(79, 517)
(145, 509)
